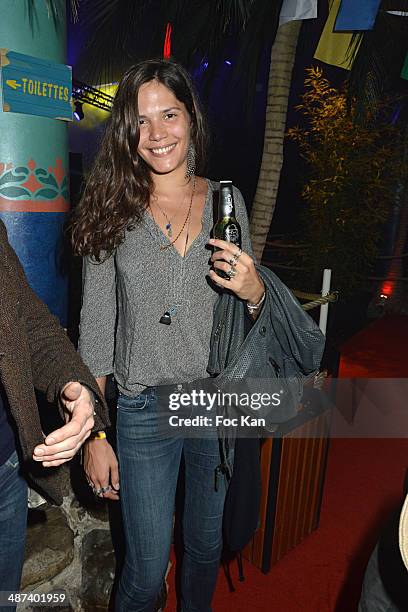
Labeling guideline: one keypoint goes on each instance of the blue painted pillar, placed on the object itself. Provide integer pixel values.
(34, 197)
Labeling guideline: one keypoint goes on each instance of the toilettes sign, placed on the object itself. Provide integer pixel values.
(35, 86)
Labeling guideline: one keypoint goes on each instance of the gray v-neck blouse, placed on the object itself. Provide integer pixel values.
(125, 296)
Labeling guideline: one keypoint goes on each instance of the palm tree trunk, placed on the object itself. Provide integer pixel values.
(280, 77)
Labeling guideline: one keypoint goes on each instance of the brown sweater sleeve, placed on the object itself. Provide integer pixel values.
(54, 360)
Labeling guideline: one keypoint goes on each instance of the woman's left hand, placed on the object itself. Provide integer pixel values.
(246, 282)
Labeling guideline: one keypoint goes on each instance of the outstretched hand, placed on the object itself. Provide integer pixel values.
(63, 443)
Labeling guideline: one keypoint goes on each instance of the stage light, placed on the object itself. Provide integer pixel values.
(78, 111)
(228, 63)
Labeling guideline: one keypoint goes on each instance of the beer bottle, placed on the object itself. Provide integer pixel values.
(227, 227)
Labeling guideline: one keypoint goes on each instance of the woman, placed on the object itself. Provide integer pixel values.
(144, 226)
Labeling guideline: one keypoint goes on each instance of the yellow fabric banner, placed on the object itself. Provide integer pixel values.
(333, 46)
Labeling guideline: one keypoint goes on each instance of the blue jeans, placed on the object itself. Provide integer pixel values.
(149, 466)
(13, 523)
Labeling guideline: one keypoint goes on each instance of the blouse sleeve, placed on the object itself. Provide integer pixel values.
(98, 315)
(242, 218)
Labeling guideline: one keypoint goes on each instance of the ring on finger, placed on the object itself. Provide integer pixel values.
(95, 490)
(235, 257)
(233, 261)
(232, 272)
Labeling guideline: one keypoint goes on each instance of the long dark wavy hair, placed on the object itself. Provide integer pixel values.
(119, 186)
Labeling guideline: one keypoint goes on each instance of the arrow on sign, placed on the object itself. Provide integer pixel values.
(13, 83)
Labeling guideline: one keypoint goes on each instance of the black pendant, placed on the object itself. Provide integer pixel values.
(166, 318)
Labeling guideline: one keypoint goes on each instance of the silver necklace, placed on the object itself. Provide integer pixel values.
(169, 221)
(165, 319)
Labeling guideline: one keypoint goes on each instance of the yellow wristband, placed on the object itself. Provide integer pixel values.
(99, 435)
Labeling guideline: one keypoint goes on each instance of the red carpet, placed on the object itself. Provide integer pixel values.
(364, 483)
(378, 351)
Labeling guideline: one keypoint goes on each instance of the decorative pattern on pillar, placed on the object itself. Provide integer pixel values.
(32, 189)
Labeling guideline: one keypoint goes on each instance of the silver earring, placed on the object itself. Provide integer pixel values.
(191, 159)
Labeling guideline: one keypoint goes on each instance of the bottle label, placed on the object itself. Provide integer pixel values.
(228, 204)
(232, 233)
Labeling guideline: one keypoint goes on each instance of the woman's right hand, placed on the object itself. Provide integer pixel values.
(101, 467)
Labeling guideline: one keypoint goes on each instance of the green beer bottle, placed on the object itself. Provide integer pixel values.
(227, 227)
